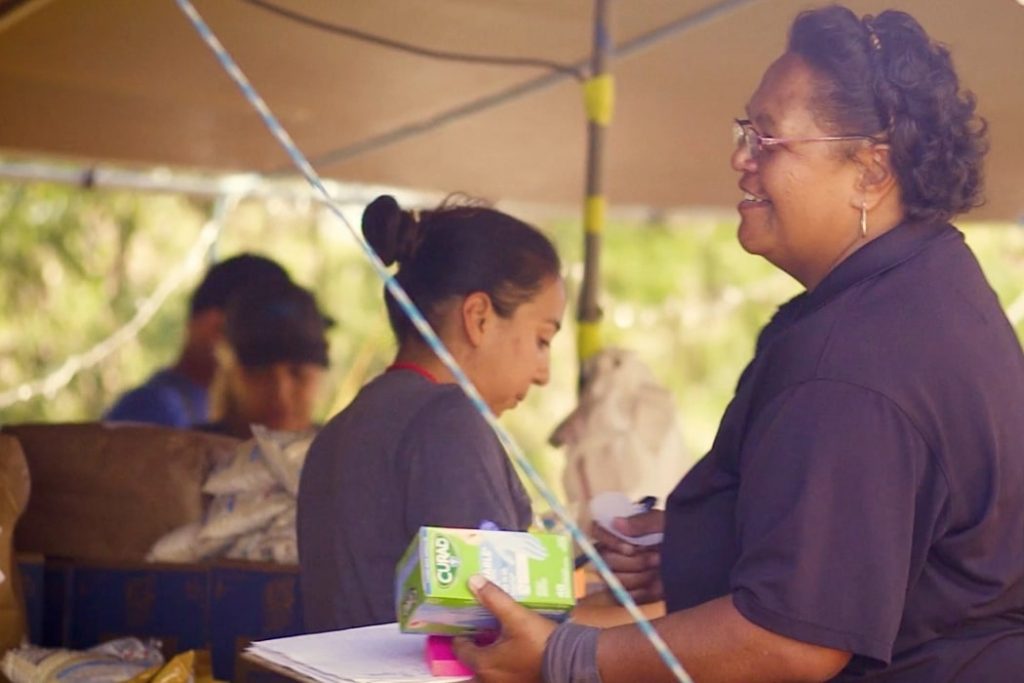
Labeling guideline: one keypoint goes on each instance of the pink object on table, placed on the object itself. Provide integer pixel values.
(441, 658)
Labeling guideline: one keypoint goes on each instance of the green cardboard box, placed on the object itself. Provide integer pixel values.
(431, 593)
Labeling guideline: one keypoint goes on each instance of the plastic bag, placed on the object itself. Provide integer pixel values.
(252, 514)
(246, 472)
(284, 453)
(240, 513)
(185, 545)
(111, 662)
(192, 666)
(277, 543)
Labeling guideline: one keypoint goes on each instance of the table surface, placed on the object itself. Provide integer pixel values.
(276, 668)
(597, 610)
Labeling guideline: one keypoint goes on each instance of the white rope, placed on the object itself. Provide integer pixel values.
(58, 379)
(434, 342)
(250, 185)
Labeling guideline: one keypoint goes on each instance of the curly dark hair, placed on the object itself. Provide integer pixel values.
(885, 74)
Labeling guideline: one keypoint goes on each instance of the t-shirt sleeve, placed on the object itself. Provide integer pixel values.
(150, 404)
(831, 488)
(457, 472)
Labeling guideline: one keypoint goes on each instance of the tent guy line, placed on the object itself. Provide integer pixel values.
(62, 376)
(629, 48)
(431, 338)
(355, 34)
(246, 185)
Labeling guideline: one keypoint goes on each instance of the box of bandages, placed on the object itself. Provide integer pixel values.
(431, 590)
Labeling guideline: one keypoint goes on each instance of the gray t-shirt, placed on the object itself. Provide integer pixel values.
(405, 453)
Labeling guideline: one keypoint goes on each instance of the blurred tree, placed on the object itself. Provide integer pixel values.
(75, 263)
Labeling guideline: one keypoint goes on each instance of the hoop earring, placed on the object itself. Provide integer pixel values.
(863, 220)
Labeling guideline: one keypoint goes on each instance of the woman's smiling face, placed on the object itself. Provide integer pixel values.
(799, 209)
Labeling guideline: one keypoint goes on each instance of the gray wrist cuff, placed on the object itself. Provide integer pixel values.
(570, 655)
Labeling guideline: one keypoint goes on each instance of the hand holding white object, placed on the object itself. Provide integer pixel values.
(605, 507)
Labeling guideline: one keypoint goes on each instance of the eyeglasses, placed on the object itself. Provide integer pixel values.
(743, 132)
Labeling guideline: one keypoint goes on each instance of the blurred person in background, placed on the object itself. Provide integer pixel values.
(271, 361)
(178, 396)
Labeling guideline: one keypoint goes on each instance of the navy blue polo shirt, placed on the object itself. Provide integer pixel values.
(865, 491)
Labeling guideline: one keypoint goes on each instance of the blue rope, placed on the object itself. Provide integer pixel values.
(432, 339)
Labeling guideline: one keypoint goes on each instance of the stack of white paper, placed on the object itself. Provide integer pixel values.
(374, 654)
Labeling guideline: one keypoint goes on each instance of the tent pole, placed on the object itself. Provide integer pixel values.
(631, 47)
(598, 94)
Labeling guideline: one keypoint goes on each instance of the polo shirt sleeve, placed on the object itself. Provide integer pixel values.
(457, 474)
(829, 498)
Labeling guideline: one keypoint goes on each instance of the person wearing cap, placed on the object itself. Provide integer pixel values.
(177, 396)
(271, 362)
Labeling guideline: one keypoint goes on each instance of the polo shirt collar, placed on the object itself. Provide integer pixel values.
(888, 251)
(891, 249)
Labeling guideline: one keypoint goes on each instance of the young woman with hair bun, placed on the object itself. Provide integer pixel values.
(411, 450)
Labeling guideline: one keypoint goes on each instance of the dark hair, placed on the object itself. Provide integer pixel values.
(230, 275)
(885, 74)
(276, 322)
(459, 248)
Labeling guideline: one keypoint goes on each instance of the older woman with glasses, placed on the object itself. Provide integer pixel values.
(860, 515)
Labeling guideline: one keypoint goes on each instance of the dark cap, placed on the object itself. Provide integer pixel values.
(223, 278)
(276, 323)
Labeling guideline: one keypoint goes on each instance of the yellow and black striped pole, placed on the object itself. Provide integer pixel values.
(599, 96)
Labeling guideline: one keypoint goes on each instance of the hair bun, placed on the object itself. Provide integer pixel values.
(394, 234)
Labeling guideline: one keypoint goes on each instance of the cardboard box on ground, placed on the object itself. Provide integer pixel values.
(102, 495)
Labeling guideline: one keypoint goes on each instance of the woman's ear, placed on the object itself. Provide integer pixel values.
(477, 311)
(877, 179)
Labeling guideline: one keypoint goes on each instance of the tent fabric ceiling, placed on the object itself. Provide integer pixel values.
(130, 82)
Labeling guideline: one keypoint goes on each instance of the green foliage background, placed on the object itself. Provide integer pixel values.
(74, 265)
